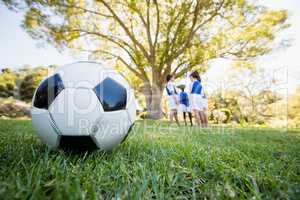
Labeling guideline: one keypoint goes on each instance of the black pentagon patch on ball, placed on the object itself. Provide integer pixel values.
(111, 94)
(47, 91)
(77, 143)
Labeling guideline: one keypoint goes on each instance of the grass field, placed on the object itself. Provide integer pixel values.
(156, 161)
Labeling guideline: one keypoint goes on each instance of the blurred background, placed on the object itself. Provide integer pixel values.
(264, 91)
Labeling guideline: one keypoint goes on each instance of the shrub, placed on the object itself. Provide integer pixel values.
(14, 108)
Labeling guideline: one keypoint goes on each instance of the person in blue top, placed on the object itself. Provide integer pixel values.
(184, 105)
(172, 98)
(197, 100)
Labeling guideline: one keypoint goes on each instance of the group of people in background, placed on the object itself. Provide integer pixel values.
(188, 102)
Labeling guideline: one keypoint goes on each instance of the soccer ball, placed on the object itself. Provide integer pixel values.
(83, 105)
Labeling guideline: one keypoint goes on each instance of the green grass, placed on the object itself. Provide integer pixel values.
(154, 162)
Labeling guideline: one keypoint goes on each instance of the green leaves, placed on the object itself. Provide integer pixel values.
(33, 18)
(160, 32)
(30, 82)
(7, 83)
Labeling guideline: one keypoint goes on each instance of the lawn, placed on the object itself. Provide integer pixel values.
(156, 161)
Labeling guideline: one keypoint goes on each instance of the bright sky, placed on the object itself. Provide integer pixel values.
(18, 49)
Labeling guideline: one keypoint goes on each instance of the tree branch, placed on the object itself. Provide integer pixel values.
(157, 24)
(121, 23)
(84, 10)
(193, 30)
(138, 74)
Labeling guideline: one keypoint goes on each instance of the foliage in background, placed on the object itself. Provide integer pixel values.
(21, 84)
(8, 80)
(247, 96)
(30, 82)
(230, 106)
(294, 109)
(13, 108)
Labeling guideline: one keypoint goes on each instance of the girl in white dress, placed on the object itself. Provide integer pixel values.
(198, 104)
(172, 98)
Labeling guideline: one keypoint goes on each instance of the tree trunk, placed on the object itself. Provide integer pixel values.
(155, 111)
(153, 97)
(153, 94)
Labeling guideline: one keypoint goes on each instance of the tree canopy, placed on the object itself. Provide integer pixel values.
(154, 38)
